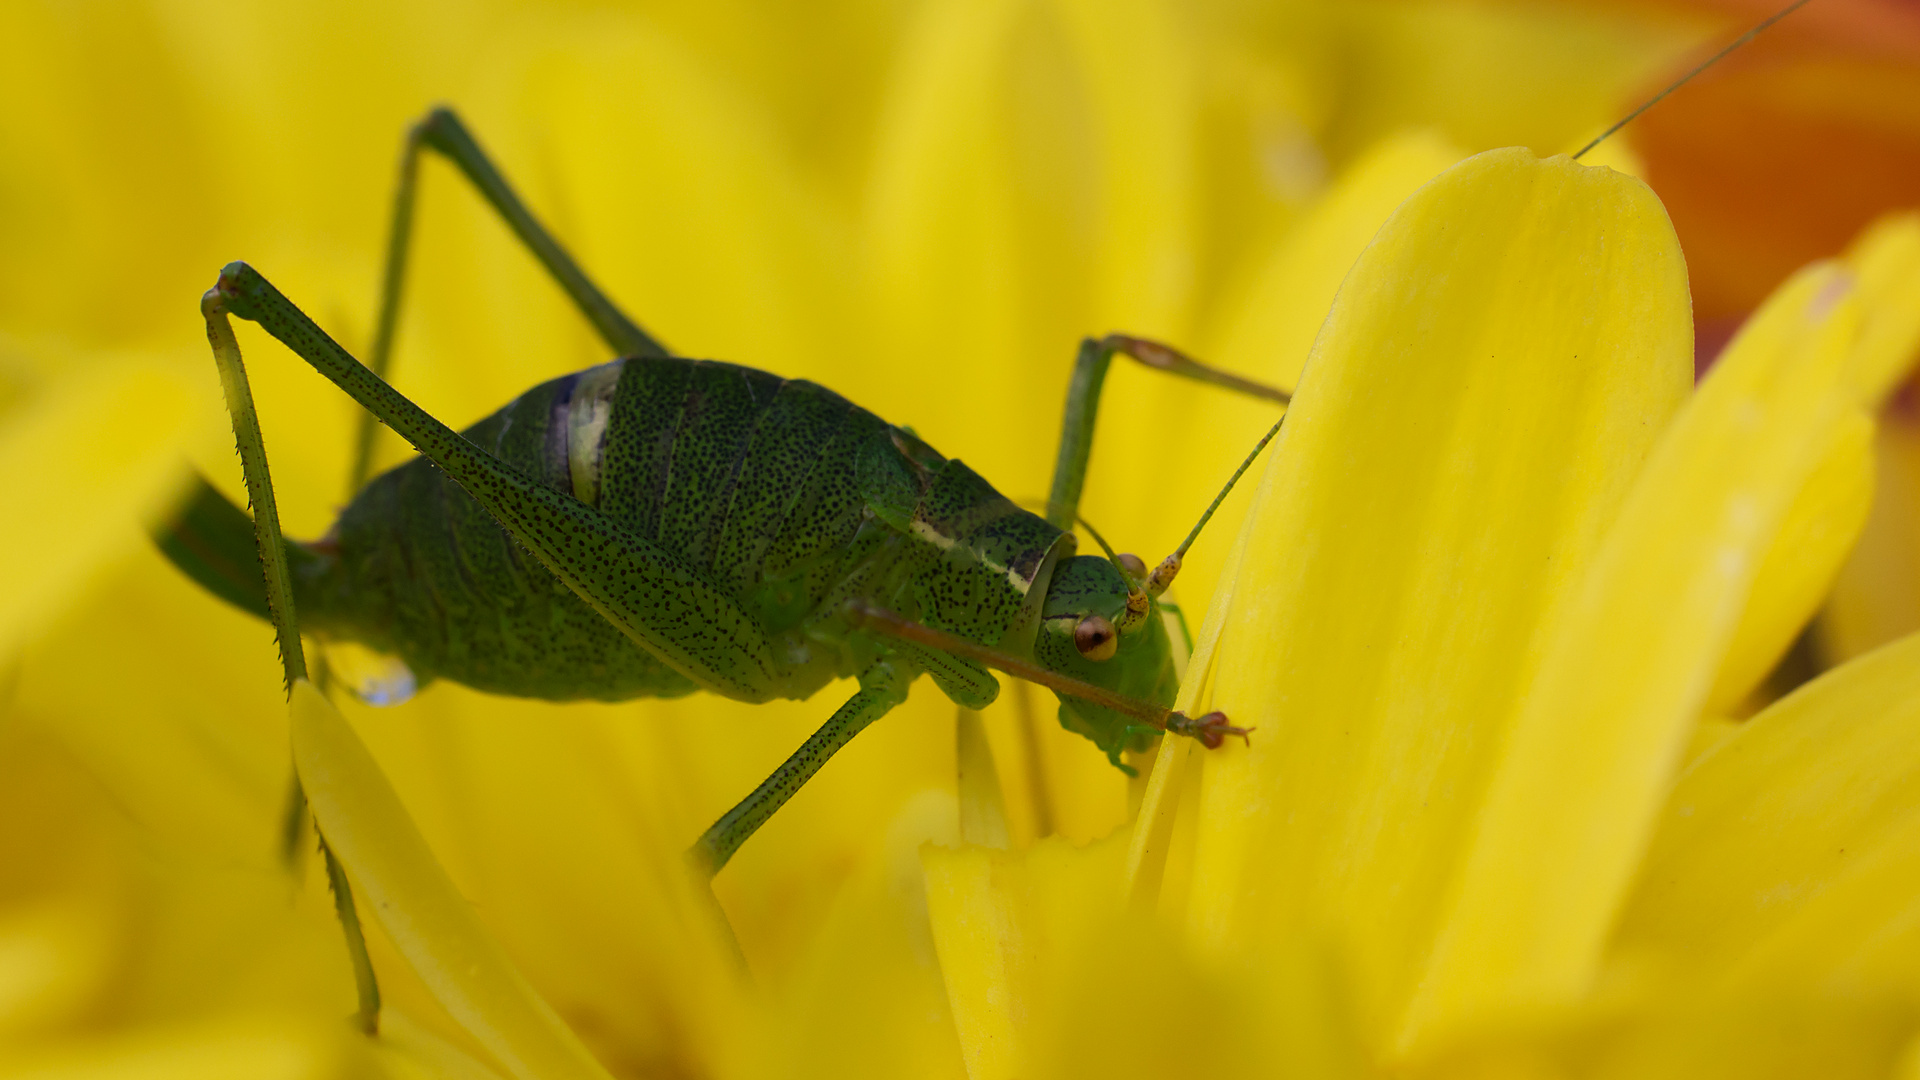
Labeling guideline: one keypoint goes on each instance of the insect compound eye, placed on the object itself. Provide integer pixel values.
(1135, 567)
(1095, 638)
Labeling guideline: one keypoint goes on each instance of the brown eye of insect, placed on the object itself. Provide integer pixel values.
(1095, 639)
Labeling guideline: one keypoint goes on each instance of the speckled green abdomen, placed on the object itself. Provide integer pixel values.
(780, 492)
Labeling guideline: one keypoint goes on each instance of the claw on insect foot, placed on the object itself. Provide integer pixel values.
(1211, 729)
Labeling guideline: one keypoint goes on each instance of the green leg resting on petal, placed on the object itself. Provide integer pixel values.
(878, 695)
(279, 596)
(442, 131)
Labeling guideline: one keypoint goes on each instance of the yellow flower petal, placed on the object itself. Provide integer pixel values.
(1270, 338)
(410, 1050)
(1497, 366)
(1273, 330)
(983, 810)
(252, 1049)
(1680, 1032)
(865, 997)
(1044, 969)
(1583, 772)
(587, 809)
(1454, 66)
(1830, 512)
(1172, 784)
(1886, 260)
(1268, 330)
(997, 231)
(401, 885)
(55, 954)
(199, 766)
(82, 465)
(1799, 567)
(1876, 598)
(1791, 852)
(1143, 257)
(660, 155)
(1276, 1017)
(1000, 919)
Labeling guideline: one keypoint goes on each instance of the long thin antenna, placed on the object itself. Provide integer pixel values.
(1688, 77)
(1163, 574)
(1181, 551)
(1097, 538)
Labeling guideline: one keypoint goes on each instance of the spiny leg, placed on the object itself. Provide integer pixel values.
(1210, 729)
(644, 590)
(720, 841)
(1083, 405)
(441, 131)
(293, 660)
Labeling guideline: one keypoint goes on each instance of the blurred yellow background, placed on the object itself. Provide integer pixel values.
(921, 204)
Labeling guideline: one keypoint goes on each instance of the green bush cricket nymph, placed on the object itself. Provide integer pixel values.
(657, 525)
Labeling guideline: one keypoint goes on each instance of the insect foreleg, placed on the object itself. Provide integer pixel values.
(442, 131)
(279, 604)
(879, 692)
(1083, 403)
(644, 590)
(1210, 729)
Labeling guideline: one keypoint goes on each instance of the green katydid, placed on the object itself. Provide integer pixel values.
(655, 526)
(658, 525)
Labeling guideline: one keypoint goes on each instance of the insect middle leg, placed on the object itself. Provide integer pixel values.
(1083, 406)
(442, 132)
(879, 693)
(192, 538)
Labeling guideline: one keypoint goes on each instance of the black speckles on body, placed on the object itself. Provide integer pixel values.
(724, 406)
(422, 571)
(780, 494)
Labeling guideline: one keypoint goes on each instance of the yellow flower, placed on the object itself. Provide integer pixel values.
(923, 207)
(1810, 130)
(1499, 569)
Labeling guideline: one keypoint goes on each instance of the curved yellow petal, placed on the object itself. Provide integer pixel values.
(1455, 66)
(411, 1050)
(941, 242)
(1876, 598)
(983, 809)
(1269, 337)
(1274, 1016)
(1265, 332)
(659, 154)
(1002, 922)
(1886, 261)
(403, 887)
(1273, 325)
(1582, 774)
(1798, 570)
(1171, 780)
(865, 997)
(1495, 370)
(250, 1048)
(1791, 852)
(1819, 537)
(1142, 263)
(81, 466)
